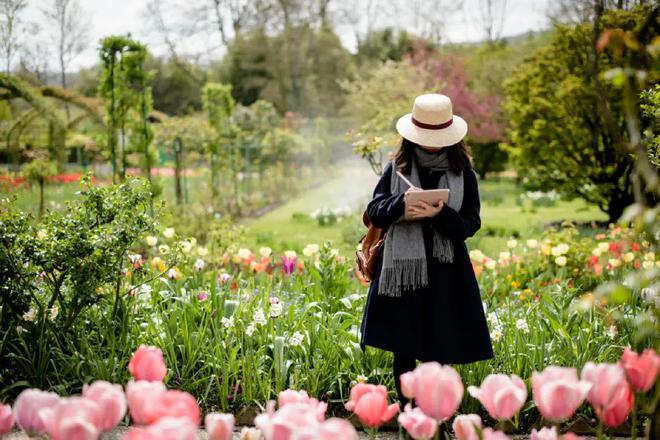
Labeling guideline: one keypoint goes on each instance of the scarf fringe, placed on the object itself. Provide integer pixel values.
(443, 248)
(409, 274)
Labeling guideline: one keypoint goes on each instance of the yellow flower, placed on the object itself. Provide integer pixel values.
(515, 284)
(561, 260)
(158, 263)
(647, 264)
(649, 256)
(614, 262)
(628, 257)
(545, 249)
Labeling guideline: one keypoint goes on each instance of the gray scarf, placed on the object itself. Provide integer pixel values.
(404, 254)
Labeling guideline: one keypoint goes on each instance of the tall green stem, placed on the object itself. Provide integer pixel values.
(633, 431)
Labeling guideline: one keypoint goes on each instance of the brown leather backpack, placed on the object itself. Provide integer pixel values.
(370, 250)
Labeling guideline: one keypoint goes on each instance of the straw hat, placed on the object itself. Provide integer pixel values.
(432, 123)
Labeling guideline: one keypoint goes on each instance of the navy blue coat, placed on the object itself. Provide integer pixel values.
(443, 321)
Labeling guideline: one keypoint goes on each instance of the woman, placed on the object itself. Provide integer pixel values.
(424, 303)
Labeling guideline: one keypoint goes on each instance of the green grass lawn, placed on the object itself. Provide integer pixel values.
(289, 225)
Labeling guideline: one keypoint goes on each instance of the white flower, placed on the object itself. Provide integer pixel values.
(151, 240)
(202, 251)
(172, 274)
(649, 256)
(224, 277)
(244, 253)
(532, 243)
(250, 329)
(496, 334)
(30, 315)
(199, 265)
(41, 234)
(144, 292)
(259, 317)
(362, 378)
(134, 258)
(186, 246)
(296, 339)
(597, 252)
(614, 262)
(612, 332)
(522, 325)
(505, 255)
(227, 322)
(334, 252)
(290, 254)
(53, 312)
(477, 255)
(561, 260)
(265, 252)
(168, 233)
(647, 264)
(492, 318)
(491, 264)
(250, 434)
(275, 309)
(163, 249)
(511, 244)
(628, 257)
(604, 246)
(20, 330)
(311, 249)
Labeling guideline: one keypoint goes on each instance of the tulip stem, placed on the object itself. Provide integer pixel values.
(633, 431)
(600, 430)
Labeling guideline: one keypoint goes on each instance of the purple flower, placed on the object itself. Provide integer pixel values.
(202, 296)
(288, 265)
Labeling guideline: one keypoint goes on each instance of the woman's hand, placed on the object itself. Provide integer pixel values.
(422, 209)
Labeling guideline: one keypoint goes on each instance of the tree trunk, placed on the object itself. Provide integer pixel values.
(41, 197)
(177, 171)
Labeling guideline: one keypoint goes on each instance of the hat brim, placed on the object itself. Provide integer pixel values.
(425, 137)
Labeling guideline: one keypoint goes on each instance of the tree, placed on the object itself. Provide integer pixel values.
(10, 29)
(559, 136)
(219, 106)
(70, 25)
(38, 171)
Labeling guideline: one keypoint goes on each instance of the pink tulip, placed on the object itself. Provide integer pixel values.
(490, 434)
(501, 395)
(73, 418)
(27, 406)
(408, 384)
(287, 422)
(437, 389)
(219, 426)
(111, 400)
(465, 426)
(147, 363)
(142, 397)
(6, 419)
(336, 429)
(250, 434)
(571, 436)
(419, 425)
(558, 392)
(170, 428)
(641, 369)
(369, 403)
(611, 395)
(175, 403)
(292, 396)
(544, 434)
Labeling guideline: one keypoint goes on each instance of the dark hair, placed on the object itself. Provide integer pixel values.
(458, 155)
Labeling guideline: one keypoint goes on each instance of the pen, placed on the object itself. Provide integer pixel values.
(405, 180)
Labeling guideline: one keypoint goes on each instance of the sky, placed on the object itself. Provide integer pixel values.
(108, 17)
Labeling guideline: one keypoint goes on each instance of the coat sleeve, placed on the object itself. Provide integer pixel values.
(385, 208)
(459, 225)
